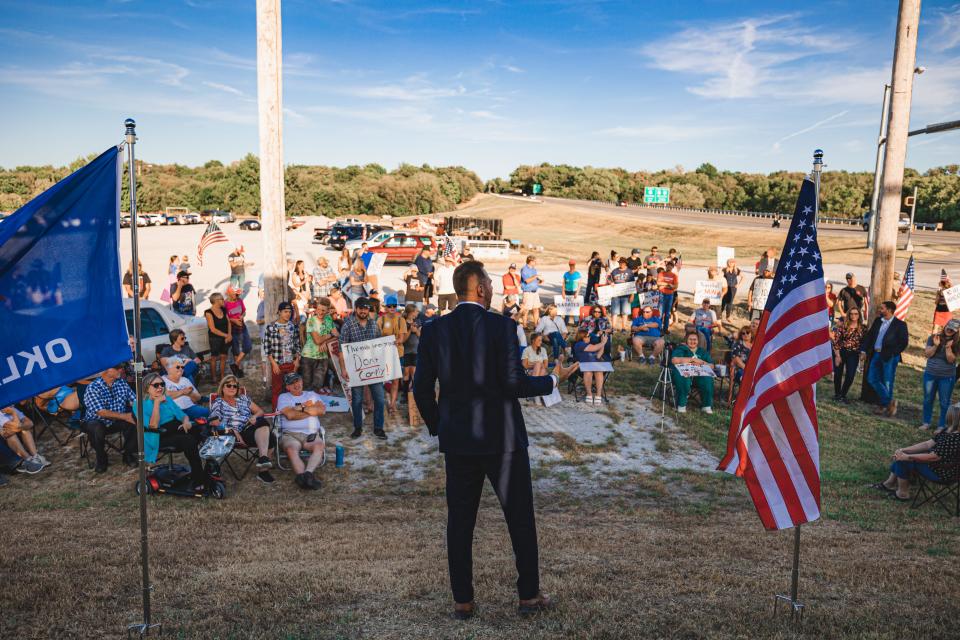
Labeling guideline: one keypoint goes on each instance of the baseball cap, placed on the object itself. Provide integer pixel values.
(391, 301)
(430, 307)
(236, 290)
(635, 252)
(513, 265)
(361, 303)
(291, 377)
(284, 306)
(849, 275)
(572, 262)
(953, 325)
(182, 274)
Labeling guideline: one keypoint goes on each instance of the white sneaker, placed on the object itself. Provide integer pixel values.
(39, 458)
(597, 399)
(708, 410)
(588, 400)
(681, 409)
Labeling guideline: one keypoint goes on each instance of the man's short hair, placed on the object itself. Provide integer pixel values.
(175, 335)
(531, 259)
(463, 273)
(890, 305)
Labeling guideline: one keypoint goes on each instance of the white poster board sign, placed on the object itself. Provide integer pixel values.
(650, 299)
(371, 361)
(607, 292)
(952, 297)
(695, 370)
(710, 289)
(567, 307)
(761, 290)
(724, 254)
(552, 399)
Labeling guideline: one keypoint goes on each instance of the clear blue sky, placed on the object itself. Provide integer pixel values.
(747, 85)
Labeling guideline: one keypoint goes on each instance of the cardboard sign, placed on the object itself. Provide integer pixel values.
(952, 297)
(334, 349)
(724, 254)
(371, 361)
(696, 370)
(710, 289)
(567, 307)
(761, 290)
(650, 299)
(607, 292)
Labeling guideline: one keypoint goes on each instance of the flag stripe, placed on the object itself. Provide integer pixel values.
(772, 456)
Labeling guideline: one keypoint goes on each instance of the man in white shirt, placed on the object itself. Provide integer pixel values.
(301, 429)
(555, 329)
(443, 280)
(182, 391)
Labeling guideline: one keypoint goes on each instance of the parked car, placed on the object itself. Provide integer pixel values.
(903, 224)
(219, 216)
(156, 323)
(404, 247)
(192, 218)
(340, 236)
(249, 225)
(155, 219)
(124, 222)
(375, 239)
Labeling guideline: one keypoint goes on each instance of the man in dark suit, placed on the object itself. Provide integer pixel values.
(884, 342)
(475, 355)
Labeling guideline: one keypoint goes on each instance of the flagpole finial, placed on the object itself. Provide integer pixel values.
(131, 126)
(818, 160)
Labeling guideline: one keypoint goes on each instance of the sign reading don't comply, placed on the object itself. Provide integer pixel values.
(371, 361)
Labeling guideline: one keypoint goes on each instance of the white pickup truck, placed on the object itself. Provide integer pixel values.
(156, 323)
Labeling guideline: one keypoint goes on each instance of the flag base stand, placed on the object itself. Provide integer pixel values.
(665, 381)
(795, 606)
(143, 629)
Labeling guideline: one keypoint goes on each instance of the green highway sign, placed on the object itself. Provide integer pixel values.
(537, 188)
(656, 195)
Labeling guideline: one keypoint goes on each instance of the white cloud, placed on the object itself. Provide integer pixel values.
(664, 132)
(513, 69)
(815, 125)
(740, 59)
(485, 115)
(947, 35)
(225, 88)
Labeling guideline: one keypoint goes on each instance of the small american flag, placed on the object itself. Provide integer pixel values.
(211, 235)
(448, 249)
(905, 294)
(772, 442)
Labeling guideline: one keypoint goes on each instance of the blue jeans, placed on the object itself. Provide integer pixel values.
(236, 280)
(241, 340)
(620, 306)
(902, 469)
(356, 403)
(190, 371)
(936, 385)
(707, 337)
(881, 375)
(666, 304)
(558, 343)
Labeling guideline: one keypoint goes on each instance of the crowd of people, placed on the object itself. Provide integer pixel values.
(329, 305)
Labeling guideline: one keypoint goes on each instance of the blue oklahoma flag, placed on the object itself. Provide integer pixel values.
(61, 311)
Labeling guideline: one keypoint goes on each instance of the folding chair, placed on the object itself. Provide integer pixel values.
(946, 494)
(304, 454)
(246, 455)
(46, 422)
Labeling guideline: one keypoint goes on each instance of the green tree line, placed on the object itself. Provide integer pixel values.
(844, 194)
(309, 190)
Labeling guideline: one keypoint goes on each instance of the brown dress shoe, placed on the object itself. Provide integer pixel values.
(542, 602)
(463, 611)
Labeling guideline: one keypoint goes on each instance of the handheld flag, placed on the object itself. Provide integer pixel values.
(772, 442)
(211, 235)
(905, 294)
(448, 249)
(60, 296)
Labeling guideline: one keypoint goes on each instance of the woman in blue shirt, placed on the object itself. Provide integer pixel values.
(168, 426)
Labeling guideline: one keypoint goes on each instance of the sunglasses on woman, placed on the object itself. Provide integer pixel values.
(230, 386)
(158, 385)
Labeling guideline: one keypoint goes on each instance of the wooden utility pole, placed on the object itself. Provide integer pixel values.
(270, 106)
(904, 58)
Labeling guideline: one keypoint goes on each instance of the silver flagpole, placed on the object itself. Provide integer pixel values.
(142, 628)
(815, 174)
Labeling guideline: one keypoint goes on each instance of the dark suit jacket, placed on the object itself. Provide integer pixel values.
(475, 355)
(894, 341)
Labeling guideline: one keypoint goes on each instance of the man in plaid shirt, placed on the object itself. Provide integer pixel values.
(107, 403)
(323, 278)
(281, 343)
(357, 328)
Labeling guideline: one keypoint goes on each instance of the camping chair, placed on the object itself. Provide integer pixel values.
(246, 455)
(304, 454)
(578, 389)
(45, 422)
(946, 494)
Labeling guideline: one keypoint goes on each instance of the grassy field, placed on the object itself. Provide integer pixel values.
(668, 554)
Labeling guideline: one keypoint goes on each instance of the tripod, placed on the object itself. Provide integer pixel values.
(664, 386)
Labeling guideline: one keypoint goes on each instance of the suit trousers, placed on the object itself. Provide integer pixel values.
(509, 473)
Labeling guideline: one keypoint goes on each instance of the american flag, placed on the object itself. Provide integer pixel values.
(772, 442)
(211, 235)
(905, 294)
(448, 249)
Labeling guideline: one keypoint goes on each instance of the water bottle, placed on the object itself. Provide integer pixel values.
(340, 452)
